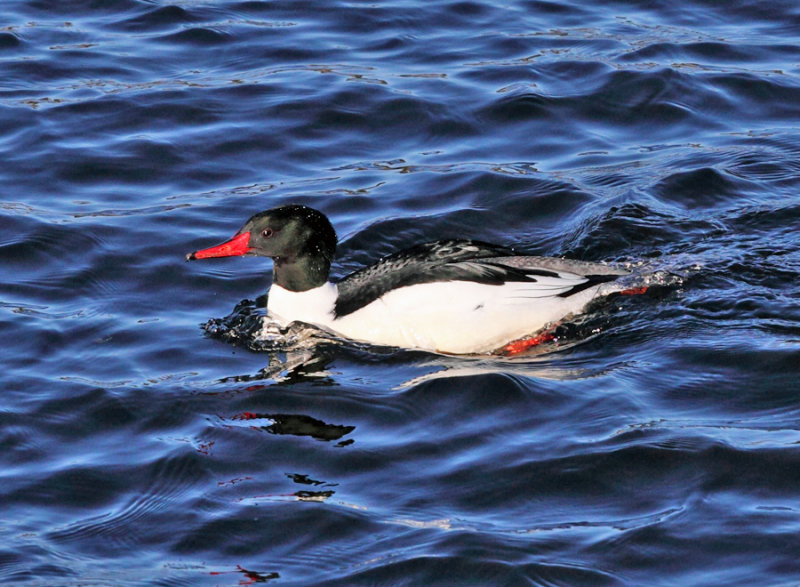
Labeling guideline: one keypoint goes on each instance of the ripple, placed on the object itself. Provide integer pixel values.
(129, 522)
(158, 18)
(141, 439)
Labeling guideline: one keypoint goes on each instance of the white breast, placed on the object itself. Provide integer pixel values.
(314, 306)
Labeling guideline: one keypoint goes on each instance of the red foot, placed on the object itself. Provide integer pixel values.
(634, 291)
(523, 344)
(245, 416)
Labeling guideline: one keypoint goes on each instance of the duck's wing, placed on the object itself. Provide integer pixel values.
(425, 263)
(467, 260)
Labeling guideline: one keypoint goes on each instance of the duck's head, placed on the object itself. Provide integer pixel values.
(300, 240)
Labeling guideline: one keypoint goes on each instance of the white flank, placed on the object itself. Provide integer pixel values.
(455, 317)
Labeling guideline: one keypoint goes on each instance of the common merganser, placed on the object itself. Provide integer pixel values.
(449, 296)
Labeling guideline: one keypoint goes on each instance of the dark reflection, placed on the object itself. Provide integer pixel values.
(313, 495)
(299, 425)
(306, 480)
(291, 367)
(307, 495)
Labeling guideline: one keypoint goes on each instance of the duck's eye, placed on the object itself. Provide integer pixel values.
(266, 233)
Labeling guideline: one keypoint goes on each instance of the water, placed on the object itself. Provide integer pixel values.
(657, 445)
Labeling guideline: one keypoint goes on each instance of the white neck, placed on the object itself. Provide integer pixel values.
(314, 306)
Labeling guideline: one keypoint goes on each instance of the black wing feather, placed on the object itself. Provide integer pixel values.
(449, 260)
(591, 281)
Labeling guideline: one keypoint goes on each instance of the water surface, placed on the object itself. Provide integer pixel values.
(657, 445)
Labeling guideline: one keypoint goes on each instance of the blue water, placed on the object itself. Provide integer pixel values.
(144, 440)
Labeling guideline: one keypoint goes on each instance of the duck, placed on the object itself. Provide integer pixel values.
(453, 296)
